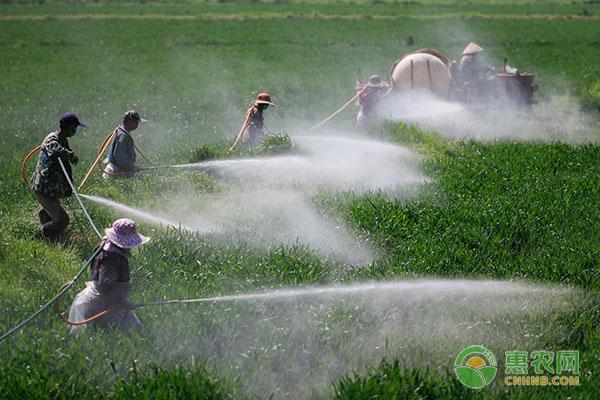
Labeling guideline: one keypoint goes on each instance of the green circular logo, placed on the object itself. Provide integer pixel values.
(475, 367)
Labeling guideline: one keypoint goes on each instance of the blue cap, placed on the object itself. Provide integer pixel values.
(70, 119)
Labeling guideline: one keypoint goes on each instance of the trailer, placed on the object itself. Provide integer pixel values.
(431, 71)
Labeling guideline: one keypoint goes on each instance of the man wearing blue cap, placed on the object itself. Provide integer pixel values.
(49, 182)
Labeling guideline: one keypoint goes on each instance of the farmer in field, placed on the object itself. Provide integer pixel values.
(472, 75)
(254, 124)
(368, 100)
(110, 286)
(49, 182)
(470, 69)
(121, 154)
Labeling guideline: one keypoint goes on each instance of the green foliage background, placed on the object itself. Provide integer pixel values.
(502, 210)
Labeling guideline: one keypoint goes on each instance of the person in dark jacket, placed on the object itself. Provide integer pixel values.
(471, 72)
(121, 155)
(49, 183)
(253, 129)
(256, 125)
(472, 75)
(368, 100)
(110, 286)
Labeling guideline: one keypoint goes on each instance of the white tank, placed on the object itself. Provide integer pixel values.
(421, 71)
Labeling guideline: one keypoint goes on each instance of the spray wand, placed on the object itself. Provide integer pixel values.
(340, 109)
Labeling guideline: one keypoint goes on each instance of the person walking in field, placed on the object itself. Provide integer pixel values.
(49, 183)
(110, 286)
(254, 124)
(121, 155)
(368, 100)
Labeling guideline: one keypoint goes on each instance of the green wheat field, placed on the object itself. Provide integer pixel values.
(519, 211)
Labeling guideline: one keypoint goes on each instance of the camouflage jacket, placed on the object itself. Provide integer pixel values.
(49, 178)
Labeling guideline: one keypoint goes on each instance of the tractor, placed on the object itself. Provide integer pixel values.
(431, 71)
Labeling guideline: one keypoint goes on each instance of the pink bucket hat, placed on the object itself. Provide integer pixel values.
(124, 234)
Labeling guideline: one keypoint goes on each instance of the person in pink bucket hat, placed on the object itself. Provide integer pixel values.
(110, 286)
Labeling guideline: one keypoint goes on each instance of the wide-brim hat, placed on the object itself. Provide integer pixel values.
(264, 102)
(472, 48)
(264, 98)
(123, 233)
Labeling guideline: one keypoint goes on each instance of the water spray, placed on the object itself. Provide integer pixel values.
(351, 289)
(271, 199)
(335, 290)
(62, 166)
(141, 214)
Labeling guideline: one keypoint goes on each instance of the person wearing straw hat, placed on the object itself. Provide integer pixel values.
(368, 100)
(49, 183)
(121, 155)
(256, 125)
(110, 286)
(469, 67)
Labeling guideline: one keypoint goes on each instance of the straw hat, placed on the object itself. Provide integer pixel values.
(124, 234)
(471, 49)
(264, 98)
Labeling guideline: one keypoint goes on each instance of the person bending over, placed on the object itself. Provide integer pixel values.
(110, 286)
(121, 155)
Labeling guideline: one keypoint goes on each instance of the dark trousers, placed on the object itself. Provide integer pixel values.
(53, 217)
